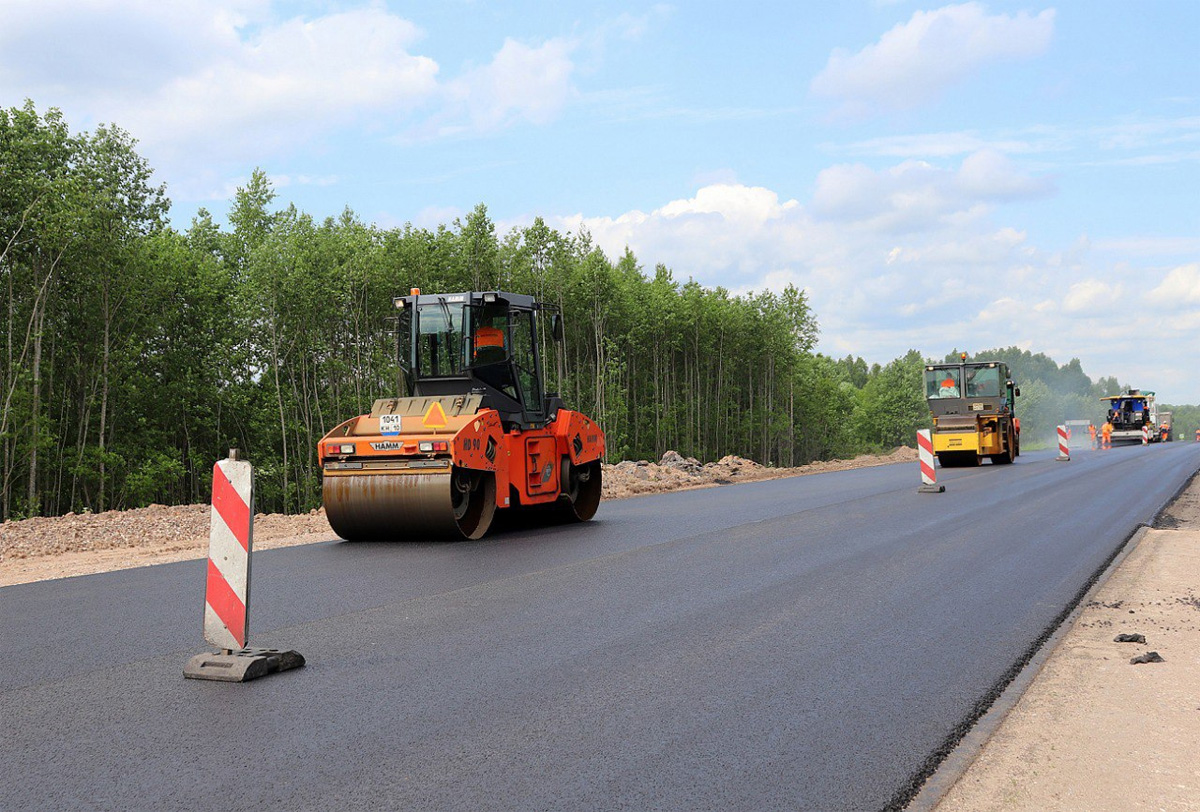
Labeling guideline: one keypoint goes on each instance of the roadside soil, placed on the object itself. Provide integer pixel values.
(80, 544)
(1094, 731)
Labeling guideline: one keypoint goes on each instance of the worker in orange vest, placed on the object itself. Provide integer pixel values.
(1092, 434)
(1198, 435)
(489, 345)
(1106, 434)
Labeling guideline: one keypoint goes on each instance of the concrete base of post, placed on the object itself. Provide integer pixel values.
(931, 488)
(241, 666)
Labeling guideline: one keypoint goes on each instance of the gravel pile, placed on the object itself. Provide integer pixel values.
(675, 471)
(159, 528)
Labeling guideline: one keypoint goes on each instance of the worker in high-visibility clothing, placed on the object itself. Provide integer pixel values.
(949, 387)
(1092, 435)
(489, 345)
(1106, 434)
(1198, 435)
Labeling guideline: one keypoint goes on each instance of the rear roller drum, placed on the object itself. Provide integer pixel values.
(473, 499)
(581, 486)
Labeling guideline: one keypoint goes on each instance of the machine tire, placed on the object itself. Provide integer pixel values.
(581, 487)
(473, 500)
(1008, 456)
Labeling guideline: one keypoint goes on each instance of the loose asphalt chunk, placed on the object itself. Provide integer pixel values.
(1148, 657)
(1130, 638)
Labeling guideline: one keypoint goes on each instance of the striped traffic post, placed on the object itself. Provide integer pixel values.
(1145, 435)
(230, 534)
(227, 587)
(925, 456)
(1064, 451)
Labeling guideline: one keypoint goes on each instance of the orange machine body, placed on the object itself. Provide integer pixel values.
(527, 465)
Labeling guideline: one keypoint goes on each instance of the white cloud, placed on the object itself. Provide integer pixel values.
(1094, 296)
(742, 231)
(933, 145)
(990, 175)
(1179, 288)
(199, 82)
(294, 78)
(1128, 141)
(915, 195)
(84, 46)
(283, 181)
(521, 82)
(219, 78)
(917, 60)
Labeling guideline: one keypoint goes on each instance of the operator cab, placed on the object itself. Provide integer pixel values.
(480, 343)
(970, 388)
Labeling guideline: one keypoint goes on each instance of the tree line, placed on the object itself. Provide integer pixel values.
(136, 353)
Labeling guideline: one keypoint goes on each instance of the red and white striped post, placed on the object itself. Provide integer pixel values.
(1064, 451)
(925, 456)
(1145, 435)
(227, 588)
(230, 534)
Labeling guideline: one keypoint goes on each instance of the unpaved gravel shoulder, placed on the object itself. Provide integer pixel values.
(64, 546)
(1093, 731)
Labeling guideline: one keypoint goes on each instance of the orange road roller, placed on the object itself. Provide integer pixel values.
(475, 433)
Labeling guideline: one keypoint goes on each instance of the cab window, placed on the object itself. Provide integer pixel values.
(439, 340)
(942, 383)
(526, 360)
(983, 382)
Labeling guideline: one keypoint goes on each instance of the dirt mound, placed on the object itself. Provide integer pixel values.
(159, 528)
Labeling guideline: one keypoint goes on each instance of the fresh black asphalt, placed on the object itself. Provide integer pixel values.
(798, 644)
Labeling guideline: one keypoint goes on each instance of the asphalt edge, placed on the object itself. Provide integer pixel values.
(956, 762)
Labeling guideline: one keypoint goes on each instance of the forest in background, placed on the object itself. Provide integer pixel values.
(135, 354)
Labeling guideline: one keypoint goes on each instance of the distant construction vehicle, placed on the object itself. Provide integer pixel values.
(472, 432)
(1130, 413)
(973, 406)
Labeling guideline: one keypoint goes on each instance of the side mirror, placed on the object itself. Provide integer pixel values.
(556, 327)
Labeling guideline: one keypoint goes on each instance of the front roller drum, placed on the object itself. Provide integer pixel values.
(410, 506)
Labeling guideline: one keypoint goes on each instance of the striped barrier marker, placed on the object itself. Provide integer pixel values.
(230, 534)
(227, 588)
(928, 472)
(1064, 451)
(1145, 435)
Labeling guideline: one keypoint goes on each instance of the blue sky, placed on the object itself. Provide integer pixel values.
(936, 176)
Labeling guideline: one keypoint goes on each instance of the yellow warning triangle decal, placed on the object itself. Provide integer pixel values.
(435, 416)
